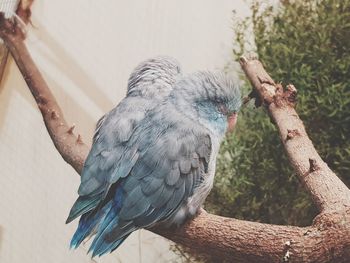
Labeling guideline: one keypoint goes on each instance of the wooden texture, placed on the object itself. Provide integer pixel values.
(73, 150)
(23, 12)
(326, 189)
(3, 58)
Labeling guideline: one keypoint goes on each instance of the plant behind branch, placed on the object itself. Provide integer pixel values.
(307, 45)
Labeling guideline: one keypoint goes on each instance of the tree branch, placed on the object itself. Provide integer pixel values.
(327, 240)
(23, 11)
(71, 147)
(327, 190)
(3, 59)
(243, 241)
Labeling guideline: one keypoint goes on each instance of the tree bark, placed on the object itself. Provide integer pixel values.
(71, 147)
(327, 190)
(327, 240)
(3, 59)
(23, 11)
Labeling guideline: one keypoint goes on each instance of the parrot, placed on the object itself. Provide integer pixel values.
(162, 169)
(149, 83)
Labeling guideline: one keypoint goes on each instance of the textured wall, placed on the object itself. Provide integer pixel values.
(86, 50)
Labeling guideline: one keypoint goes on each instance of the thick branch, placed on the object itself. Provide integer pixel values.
(327, 190)
(244, 241)
(227, 238)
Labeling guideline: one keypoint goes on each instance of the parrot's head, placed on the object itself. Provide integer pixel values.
(214, 98)
(154, 78)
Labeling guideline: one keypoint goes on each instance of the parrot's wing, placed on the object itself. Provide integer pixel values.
(98, 127)
(150, 82)
(112, 134)
(165, 174)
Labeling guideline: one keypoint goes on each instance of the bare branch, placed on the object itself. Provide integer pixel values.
(3, 59)
(244, 241)
(327, 190)
(23, 11)
(68, 145)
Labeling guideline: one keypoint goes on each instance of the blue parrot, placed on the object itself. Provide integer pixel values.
(150, 82)
(161, 170)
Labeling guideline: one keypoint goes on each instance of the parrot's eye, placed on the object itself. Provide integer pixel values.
(223, 109)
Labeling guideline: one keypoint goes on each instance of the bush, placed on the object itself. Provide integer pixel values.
(306, 43)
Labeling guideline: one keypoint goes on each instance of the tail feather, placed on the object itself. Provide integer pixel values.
(109, 222)
(106, 247)
(87, 225)
(83, 205)
(106, 241)
(102, 244)
(102, 217)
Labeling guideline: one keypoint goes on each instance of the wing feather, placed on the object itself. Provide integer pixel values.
(163, 191)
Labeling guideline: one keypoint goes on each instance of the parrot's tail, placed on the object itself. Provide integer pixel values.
(103, 241)
(83, 205)
(104, 222)
(87, 225)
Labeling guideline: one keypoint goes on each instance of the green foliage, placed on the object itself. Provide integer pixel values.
(306, 43)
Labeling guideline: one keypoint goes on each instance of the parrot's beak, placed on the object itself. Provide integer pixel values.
(231, 120)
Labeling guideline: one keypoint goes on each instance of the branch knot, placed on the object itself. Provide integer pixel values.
(71, 129)
(313, 165)
(292, 133)
(290, 95)
(54, 115)
(79, 140)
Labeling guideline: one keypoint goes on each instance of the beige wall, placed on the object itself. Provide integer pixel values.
(86, 50)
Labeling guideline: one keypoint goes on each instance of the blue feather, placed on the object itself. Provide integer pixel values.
(87, 224)
(83, 205)
(150, 158)
(106, 247)
(100, 244)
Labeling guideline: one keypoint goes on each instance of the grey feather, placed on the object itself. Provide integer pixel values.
(166, 148)
(133, 197)
(173, 176)
(185, 165)
(138, 209)
(151, 184)
(148, 85)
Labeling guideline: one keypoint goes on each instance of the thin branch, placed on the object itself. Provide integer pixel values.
(3, 59)
(70, 146)
(327, 240)
(23, 11)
